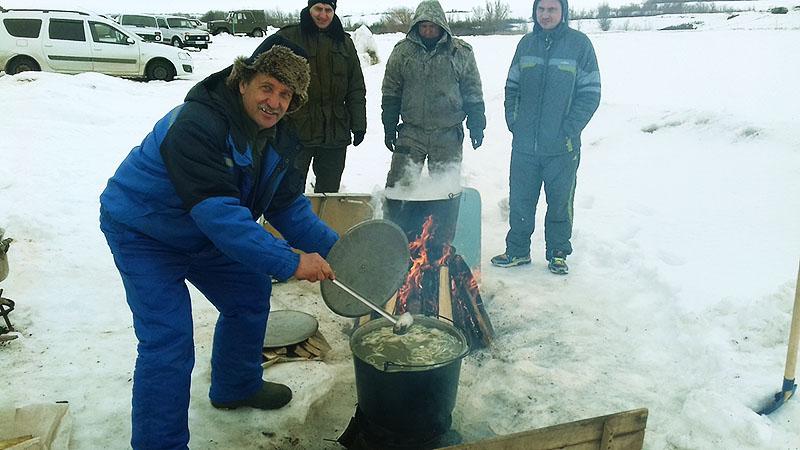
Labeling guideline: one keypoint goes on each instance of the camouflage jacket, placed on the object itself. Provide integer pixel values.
(437, 88)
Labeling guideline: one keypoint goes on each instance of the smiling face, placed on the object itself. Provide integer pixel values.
(265, 99)
(548, 14)
(321, 14)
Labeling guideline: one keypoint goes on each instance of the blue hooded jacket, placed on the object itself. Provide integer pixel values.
(192, 185)
(552, 89)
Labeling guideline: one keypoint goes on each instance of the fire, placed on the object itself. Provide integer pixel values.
(420, 291)
(421, 253)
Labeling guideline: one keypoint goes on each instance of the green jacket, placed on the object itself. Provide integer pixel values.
(435, 89)
(337, 103)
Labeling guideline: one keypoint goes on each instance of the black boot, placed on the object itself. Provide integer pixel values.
(271, 396)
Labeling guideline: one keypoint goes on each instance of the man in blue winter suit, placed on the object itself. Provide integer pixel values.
(183, 206)
(552, 91)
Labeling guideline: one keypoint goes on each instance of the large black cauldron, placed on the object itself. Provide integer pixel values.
(410, 216)
(409, 405)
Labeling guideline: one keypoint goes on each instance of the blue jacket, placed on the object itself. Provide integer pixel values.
(552, 89)
(192, 184)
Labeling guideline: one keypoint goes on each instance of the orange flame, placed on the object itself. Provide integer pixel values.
(420, 262)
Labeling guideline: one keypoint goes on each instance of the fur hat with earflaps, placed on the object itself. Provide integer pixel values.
(281, 59)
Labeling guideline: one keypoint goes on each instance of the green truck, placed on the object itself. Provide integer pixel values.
(252, 22)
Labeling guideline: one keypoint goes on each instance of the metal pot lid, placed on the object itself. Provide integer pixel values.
(289, 327)
(372, 259)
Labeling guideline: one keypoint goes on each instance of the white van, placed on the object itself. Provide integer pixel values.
(75, 42)
(181, 33)
(144, 25)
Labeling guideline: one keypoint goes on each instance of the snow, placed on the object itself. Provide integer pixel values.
(681, 285)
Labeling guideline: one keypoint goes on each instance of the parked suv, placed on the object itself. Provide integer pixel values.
(75, 42)
(144, 25)
(246, 21)
(180, 32)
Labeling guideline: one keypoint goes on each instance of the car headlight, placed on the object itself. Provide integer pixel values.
(184, 56)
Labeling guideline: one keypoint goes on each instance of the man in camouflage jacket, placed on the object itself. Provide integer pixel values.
(552, 91)
(337, 104)
(432, 83)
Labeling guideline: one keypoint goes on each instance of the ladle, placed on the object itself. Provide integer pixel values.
(400, 324)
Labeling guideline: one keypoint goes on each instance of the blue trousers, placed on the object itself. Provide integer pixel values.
(154, 275)
(528, 174)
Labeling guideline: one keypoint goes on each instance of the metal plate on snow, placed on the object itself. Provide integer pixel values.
(372, 259)
(289, 327)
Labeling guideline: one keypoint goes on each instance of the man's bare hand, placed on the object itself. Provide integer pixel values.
(313, 268)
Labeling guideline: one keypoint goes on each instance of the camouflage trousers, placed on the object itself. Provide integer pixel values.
(440, 147)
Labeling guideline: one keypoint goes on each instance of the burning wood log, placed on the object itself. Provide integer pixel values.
(445, 298)
(426, 284)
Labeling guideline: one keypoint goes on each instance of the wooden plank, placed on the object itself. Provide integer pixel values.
(445, 300)
(300, 351)
(21, 443)
(340, 211)
(319, 342)
(625, 429)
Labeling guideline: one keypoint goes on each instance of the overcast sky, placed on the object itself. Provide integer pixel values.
(519, 8)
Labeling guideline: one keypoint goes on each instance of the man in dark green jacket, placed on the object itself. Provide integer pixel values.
(431, 82)
(552, 91)
(337, 104)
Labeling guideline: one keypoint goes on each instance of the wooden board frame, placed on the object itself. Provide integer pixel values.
(620, 431)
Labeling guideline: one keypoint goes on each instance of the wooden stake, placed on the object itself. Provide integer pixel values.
(445, 300)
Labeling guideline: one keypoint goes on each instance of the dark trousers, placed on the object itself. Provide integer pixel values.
(328, 165)
(154, 276)
(528, 174)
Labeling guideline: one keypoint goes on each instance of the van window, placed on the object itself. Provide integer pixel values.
(67, 30)
(139, 21)
(175, 22)
(162, 23)
(107, 34)
(24, 28)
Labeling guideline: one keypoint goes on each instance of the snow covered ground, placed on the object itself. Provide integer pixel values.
(679, 297)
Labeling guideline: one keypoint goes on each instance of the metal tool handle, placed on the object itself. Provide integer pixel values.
(358, 297)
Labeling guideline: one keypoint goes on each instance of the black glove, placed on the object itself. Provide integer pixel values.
(476, 137)
(358, 137)
(390, 139)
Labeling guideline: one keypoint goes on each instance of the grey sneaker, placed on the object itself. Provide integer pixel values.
(505, 260)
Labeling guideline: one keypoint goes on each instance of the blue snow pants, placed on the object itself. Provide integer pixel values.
(154, 276)
(528, 173)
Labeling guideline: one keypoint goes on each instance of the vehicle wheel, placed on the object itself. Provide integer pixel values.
(22, 64)
(176, 42)
(221, 31)
(257, 33)
(160, 70)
